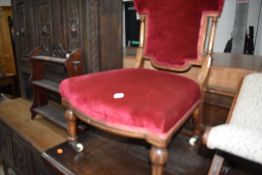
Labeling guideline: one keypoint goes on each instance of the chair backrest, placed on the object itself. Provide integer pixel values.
(247, 111)
(175, 31)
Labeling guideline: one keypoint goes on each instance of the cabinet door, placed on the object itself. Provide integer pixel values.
(6, 50)
(23, 32)
(23, 36)
(22, 15)
(5, 145)
(22, 156)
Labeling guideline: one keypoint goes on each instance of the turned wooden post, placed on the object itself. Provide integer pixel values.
(71, 125)
(158, 157)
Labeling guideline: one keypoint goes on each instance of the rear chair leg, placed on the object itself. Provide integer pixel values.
(197, 115)
(72, 128)
(158, 157)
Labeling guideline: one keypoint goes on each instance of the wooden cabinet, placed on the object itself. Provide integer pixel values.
(7, 61)
(93, 25)
(14, 152)
(5, 144)
(18, 155)
(21, 155)
(42, 84)
(23, 140)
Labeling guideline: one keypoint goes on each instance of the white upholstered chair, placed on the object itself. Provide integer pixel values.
(242, 134)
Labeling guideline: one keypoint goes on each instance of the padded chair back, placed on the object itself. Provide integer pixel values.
(248, 107)
(174, 30)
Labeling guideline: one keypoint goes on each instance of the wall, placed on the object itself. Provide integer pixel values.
(5, 2)
(258, 41)
(258, 50)
(253, 20)
(225, 25)
(226, 22)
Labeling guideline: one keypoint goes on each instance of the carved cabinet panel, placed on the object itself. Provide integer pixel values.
(21, 156)
(24, 40)
(43, 23)
(21, 28)
(18, 155)
(73, 24)
(14, 151)
(58, 22)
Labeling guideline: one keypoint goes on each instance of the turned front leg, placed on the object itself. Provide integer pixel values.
(158, 157)
(71, 125)
(72, 129)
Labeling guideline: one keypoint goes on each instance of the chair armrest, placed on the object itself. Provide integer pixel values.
(242, 142)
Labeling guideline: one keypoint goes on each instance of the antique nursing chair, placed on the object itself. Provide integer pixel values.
(144, 103)
(242, 133)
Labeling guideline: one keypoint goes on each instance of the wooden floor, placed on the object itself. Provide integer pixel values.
(106, 154)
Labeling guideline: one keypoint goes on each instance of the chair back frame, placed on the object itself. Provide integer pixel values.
(204, 57)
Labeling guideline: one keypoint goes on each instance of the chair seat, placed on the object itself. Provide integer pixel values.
(147, 100)
(241, 141)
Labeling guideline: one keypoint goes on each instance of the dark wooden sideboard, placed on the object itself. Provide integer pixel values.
(38, 147)
(93, 25)
(22, 140)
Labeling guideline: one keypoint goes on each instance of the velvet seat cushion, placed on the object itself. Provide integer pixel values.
(147, 100)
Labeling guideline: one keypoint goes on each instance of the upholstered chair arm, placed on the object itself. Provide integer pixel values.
(242, 142)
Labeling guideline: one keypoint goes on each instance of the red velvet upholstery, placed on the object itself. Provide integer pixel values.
(154, 101)
(172, 35)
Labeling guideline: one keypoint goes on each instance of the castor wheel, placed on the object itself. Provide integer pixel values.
(193, 140)
(78, 147)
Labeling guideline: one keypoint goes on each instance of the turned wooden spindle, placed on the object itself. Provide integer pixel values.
(71, 125)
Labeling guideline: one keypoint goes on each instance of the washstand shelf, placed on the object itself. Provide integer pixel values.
(41, 86)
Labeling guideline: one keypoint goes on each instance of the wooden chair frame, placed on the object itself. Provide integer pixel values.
(158, 152)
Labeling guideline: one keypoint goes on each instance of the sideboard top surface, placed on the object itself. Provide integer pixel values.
(40, 132)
